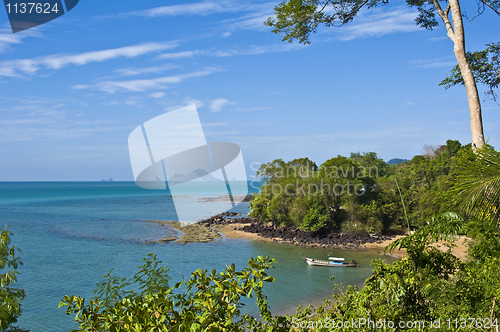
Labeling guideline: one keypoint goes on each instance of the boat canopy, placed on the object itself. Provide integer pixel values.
(336, 259)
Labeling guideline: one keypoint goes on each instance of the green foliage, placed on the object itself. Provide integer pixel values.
(425, 181)
(314, 220)
(359, 190)
(477, 192)
(298, 193)
(486, 68)
(208, 301)
(298, 19)
(10, 297)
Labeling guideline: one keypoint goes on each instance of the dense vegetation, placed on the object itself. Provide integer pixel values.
(360, 192)
(429, 290)
(432, 290)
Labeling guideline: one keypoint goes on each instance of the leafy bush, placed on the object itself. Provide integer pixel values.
(208, 301)
(10, 297)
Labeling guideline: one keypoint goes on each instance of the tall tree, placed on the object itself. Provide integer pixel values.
(486, 67)
(298, 19)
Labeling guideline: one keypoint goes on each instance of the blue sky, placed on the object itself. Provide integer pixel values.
(72, 90)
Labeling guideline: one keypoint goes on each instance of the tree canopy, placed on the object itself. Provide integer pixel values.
(486, 67)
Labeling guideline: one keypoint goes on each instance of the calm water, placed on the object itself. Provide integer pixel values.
(73, 233)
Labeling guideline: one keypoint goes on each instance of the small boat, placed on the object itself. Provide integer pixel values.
(331, 262)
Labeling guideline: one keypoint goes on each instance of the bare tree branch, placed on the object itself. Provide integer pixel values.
(326, 4)
(487, 4)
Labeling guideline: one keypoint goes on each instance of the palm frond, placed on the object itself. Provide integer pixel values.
(477, 192)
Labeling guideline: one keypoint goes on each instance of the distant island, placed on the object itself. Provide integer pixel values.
(395, 161)
(196, 175)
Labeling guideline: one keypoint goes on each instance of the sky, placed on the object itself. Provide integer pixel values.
(73, 90)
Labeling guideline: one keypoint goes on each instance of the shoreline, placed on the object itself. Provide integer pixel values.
(232, 226)
(222, 226)
(235, 232)
(232, 231)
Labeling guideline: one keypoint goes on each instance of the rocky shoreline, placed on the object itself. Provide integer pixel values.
(296, 236)
(212, 229)
(196, 232)
(232, 225)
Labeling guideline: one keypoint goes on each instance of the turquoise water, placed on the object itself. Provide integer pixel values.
(73, 233)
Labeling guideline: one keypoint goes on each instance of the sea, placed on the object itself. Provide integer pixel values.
(71, 234)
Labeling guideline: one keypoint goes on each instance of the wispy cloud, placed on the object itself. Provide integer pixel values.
(235, 51)
(185, 54)
(146, 70)
(176, 104)
(254, 109)
(7, 38)
(46, 119)
(198, 9)
(13, 68)
(19, 130)
(438, 38)
(380, 23)
(438, 64)
(254, 20)
(157, 95)
(217, 104)
(256, 49)
(216, 124)
(257, 13)
(160, 83)
(432, 63)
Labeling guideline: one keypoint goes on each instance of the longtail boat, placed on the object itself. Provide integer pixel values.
(331, 262)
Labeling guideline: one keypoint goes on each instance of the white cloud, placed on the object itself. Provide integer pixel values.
(185, 102)
(216, 124)
(14, 68)
(47, 119)
(253, 109)
(432, 63)
(438, 64)
(185, 54)
(200, 9)
(254, 20)
(144, 84)
(255, 49)
(438, 38)
(217, 104)
(157, 95)
(146, 70)
(134, 101)
(8, 38)
(378, 23)
(199, 103)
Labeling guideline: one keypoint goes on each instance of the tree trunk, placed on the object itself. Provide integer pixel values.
(476, 122)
